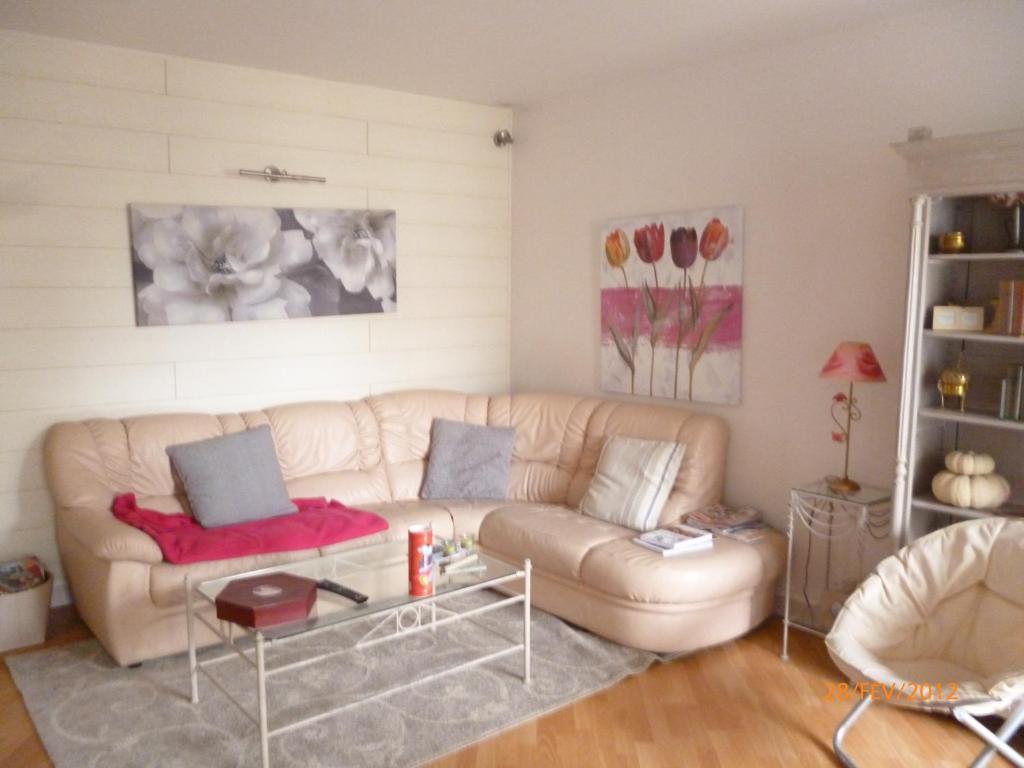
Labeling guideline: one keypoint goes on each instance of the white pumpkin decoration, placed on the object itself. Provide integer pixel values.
(970, 463)
(971, 491)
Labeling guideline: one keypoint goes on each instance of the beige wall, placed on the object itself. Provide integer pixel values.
(86, 129)
(799, 137)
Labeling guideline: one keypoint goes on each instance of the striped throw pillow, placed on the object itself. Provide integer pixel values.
(632, 481)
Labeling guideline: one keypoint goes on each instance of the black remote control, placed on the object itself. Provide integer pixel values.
(340, 589)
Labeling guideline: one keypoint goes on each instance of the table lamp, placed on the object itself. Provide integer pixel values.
(850, 361)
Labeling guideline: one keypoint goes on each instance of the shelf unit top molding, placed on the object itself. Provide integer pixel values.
(972, 144)
(970, 164)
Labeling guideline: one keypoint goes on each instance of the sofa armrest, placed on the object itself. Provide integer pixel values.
(106, 537)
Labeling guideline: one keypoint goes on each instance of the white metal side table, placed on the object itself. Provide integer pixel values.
(828, 516)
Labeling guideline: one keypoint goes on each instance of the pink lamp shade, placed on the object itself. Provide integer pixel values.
(853, 361)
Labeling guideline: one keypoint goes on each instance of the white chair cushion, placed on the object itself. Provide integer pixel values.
(952, 603)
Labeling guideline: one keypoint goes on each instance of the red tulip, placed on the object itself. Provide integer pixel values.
(714, 239)
(838, 437)
(650, 242)
(683, 243)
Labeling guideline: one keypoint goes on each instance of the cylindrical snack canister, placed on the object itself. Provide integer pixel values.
(421, 560)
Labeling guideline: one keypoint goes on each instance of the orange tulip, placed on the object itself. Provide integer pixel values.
(616, 248)
(714, 239)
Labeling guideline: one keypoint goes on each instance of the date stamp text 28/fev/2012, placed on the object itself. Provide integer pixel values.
(902, 691)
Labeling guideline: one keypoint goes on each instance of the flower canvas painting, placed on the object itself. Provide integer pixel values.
(203, 264)
(672, 305)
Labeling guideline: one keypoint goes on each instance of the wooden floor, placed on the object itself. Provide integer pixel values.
(736, 705)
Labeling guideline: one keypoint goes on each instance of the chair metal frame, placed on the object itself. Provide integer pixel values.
(994, 742)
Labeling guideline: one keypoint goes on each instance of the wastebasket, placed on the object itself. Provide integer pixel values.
(23, 615)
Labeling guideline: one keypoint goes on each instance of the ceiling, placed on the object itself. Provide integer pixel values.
(512, 52)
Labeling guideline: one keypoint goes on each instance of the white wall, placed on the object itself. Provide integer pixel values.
(85, 129)
(799, 136)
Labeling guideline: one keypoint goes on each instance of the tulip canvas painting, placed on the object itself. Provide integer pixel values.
(202, 264)
(672, 305)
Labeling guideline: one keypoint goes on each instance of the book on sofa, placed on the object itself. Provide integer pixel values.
(676, 540)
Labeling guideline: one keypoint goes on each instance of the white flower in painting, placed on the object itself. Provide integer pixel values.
(217, 264)
(359, 250)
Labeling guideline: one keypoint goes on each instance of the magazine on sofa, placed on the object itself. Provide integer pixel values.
(675, 540)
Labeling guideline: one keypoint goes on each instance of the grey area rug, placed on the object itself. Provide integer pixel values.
(89, 712)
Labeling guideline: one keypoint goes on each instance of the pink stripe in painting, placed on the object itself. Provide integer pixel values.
(622, 307)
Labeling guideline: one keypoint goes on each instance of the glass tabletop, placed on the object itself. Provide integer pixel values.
(866, 495)
(379, 571)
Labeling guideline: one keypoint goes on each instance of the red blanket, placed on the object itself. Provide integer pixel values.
(183, 540)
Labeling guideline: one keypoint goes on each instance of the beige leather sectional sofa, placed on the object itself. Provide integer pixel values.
(371, 454)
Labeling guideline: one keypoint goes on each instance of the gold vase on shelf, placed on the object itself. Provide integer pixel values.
(952, 242)
(954, 382)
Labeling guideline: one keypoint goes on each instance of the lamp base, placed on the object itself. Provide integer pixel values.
(843, 485)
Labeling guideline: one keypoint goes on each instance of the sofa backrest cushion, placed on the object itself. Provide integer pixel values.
(147, 439)
(550, 429)
(89, 462)
(327, 449)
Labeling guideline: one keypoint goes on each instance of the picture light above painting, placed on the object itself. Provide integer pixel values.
(206, 264)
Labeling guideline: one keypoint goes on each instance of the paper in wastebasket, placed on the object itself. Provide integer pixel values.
(19, 575)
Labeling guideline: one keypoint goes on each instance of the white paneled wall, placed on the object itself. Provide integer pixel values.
(86, 129)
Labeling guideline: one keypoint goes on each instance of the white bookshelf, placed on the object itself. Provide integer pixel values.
(928, 431)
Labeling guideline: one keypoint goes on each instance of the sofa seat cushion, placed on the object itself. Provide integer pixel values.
(468, 515)
(555, 538)
(403, 514)
(166, 580)
(626, 570)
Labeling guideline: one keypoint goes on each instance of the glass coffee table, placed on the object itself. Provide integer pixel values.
(379, 571)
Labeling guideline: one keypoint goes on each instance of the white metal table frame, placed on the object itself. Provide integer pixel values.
(828, 517)
(412, 612)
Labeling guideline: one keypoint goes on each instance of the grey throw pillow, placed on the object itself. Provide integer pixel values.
(232, 479)
(468, 461)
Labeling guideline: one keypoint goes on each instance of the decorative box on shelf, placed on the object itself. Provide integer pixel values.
(950, 317)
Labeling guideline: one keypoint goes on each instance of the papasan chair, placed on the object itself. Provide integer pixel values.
(947, 610)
